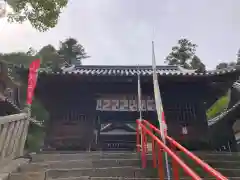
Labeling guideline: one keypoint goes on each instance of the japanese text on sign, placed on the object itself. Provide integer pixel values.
(124, 104)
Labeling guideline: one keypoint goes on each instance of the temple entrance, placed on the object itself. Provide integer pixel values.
(116, 133)
(117, 116)
(117, 136)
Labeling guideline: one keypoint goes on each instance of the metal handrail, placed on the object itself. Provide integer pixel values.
(200, 162)
(145, 131)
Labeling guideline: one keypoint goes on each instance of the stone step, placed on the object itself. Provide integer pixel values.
(28, 176)
(219, 156)
(42, 176)
(81, 152)
(117, 178)
(224, 164)
(125, 172)
(117, 155)
(229, 172)
(107, 164)
(130, 172)
(71, 164)
(82, 156)
(21, 177)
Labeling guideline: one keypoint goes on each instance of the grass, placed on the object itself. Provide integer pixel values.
(219, 106)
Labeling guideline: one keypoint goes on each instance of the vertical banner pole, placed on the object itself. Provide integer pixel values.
(140, 106)
(139, 96)
(159, 108)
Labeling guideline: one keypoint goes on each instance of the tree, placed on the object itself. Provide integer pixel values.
(231, 64)
(50, 58)
(222, 66)
(31, 52)
(225, 65)
(18, 58)
(184, 55)
(42, 14)
(197, 64)
(72, 51)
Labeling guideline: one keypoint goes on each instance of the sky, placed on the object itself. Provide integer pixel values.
(119, 32)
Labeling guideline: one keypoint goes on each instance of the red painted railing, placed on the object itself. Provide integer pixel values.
(161, 147)
(147, 129)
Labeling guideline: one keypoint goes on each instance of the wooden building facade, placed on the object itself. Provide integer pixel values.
(95, 107)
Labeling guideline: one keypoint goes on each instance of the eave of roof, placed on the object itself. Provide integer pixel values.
(135, 70)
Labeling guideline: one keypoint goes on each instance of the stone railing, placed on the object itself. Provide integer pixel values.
(13, 133)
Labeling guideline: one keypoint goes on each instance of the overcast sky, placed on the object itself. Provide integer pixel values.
(120, 31)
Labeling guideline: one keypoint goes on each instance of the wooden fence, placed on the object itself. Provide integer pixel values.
(13, 134)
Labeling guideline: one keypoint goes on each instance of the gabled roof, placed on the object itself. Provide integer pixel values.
(95, 70)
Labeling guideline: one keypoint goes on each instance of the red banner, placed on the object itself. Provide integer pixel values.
(32, 80)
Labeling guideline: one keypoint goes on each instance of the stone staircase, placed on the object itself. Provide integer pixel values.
(226, 163)
(113, 166)
(87, 165)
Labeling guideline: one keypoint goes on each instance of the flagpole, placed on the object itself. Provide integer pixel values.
(139, 96)
(159, 108)
(140, 105)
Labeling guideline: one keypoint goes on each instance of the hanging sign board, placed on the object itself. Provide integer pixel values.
(124, 104)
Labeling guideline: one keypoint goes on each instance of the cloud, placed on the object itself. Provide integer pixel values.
(121, 31)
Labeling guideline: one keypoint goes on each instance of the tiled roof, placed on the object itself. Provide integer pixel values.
(134, 70)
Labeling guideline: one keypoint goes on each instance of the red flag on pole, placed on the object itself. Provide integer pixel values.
(32, 80)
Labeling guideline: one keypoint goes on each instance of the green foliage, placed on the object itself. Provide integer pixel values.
(35, 133)
(196, 63)
(35, 138)
(222, 66)
(50, 60)
(219, 106)
(72, 51)
(42, 14)
(17, 58)
(39, 112)
(184, 55)
(225, 65)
